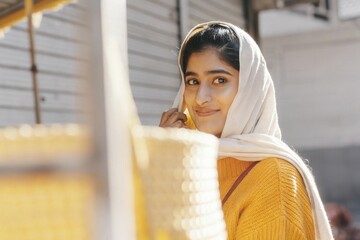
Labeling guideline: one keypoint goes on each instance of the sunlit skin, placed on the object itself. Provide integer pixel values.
(210, 87)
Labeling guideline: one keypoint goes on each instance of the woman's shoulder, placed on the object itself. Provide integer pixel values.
(278, 166)
(282, 177)
(278, 170)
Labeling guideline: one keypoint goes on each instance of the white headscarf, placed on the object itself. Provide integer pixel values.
(251, 131)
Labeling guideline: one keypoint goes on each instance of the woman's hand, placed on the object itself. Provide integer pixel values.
(173, 118)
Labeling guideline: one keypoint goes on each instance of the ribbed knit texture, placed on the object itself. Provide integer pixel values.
(270, 203)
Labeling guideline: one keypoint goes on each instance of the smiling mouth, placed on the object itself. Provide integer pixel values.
(206, 113)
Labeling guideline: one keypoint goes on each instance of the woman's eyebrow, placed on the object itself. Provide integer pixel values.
(217, 71)
(191, 74)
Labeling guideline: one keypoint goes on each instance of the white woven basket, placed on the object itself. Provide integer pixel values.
(180, 183)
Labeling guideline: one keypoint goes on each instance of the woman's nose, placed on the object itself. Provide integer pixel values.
(203, 95)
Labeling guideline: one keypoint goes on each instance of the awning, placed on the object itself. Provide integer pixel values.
(13, 11)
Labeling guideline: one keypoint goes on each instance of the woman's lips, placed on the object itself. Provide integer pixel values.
(205, 113)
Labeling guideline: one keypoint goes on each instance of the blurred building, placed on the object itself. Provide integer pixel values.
(314, 62)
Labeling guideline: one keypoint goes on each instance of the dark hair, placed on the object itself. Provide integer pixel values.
(216, 36)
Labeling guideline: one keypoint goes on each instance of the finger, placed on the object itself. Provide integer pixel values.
(177, 124)
(177, 116)
(165, 116)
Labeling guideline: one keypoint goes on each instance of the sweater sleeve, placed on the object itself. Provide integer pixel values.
(280, 207)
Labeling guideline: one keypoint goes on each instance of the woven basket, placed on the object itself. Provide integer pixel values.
(178, 168)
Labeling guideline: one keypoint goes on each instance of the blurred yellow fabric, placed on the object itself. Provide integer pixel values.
(189, 122)
(41, 206)
(142, 228)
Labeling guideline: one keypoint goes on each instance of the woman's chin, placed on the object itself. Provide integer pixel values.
(209, 130)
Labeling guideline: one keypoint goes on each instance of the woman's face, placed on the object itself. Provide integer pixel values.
(210, 87)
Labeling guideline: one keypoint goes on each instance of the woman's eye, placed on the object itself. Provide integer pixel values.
(192, 82)
(220, 80)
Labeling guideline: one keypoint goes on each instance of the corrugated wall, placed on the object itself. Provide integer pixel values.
(152, 42)
(57, 45)
(208, 10)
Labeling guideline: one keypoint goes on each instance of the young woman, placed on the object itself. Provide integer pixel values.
(266, 189)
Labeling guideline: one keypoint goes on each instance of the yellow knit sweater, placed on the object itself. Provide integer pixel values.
(271, 202)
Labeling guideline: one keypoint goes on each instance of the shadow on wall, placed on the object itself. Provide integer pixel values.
(336, 172)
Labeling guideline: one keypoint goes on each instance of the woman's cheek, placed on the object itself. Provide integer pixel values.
(189, 97)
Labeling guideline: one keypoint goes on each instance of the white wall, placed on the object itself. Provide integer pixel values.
(317, 79)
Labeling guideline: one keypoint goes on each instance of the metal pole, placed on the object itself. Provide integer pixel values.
(33, 62)
(110, 89)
